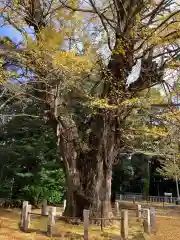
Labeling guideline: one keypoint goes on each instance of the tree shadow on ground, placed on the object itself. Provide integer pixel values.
(110, 236)
(138, 236)
(9, 212)
(38, 231)
(56, 234)
(71, 235)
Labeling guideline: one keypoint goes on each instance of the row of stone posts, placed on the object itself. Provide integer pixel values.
(26, 219)
(149, 218)
(147, 215)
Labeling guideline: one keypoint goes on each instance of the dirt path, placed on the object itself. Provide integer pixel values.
(168, 228)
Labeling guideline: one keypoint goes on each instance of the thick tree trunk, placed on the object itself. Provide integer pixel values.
(94, 194)
(88, 170)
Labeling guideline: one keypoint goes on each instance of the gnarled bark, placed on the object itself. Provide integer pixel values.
(89, 166)
(90, 196)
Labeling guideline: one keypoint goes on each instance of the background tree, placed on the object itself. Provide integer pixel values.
(170, 164)
(30, 166)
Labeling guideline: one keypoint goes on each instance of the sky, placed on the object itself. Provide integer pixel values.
(11, 32)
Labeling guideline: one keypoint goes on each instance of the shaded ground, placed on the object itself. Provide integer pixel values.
(9, 229)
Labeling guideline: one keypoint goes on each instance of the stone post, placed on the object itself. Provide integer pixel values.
(146, 222)
(27, 218)
(153, 220)
(124, 224)
(139, 212)
(51, 221)
(24, 206)
(64, 205)
(44, 208)
(117, 208)
(86, 223)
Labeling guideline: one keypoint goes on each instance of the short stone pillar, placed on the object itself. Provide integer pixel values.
(146, 222)
(138, 213)
(64, 205)
(124, 224)
(44, 208)
(86, 223)
(153, 220)
(51, 221)
(117, 212)
(24, 206)
(27, 218)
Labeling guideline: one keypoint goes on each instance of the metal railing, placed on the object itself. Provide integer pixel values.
(141, 198)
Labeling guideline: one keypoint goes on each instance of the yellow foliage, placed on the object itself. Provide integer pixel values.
(3, 73)
(72, 63)
(73, 3)
(49, 39)
(47, 49)
(102, 104)
(3, 77)
(120, 48)
(174, 64)
(152, 131)
(172, 116)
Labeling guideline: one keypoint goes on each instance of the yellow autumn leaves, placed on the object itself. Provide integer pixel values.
(53, 44)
